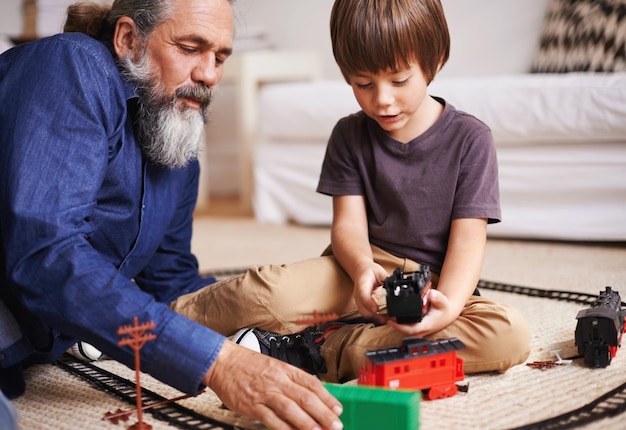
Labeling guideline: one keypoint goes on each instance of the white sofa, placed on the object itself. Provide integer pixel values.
(561, 138)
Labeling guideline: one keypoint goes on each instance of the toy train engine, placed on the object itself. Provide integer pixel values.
(418, 364)
(407, 294)
(599, 329)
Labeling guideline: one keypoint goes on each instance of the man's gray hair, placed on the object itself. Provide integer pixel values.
(146, 14)
(98, 20)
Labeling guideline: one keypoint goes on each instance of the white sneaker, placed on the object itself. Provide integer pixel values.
(86, 352)
(246, 337)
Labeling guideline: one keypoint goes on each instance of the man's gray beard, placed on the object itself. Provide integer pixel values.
(168, 135)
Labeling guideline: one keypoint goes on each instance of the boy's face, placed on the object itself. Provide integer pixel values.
(394, 99)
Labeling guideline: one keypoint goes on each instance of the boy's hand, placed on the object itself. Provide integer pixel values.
(438, 317)
(368, 291)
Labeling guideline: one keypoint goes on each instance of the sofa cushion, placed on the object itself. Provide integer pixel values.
(520, 109)
(583, 35)
(304, 110)
(534, 109)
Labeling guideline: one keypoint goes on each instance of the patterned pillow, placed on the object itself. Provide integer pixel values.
(583, 35)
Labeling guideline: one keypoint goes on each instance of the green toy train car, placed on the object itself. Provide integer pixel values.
(369, 408)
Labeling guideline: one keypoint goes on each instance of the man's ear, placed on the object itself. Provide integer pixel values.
(125, 38)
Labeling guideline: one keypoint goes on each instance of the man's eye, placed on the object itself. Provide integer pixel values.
(187, 49)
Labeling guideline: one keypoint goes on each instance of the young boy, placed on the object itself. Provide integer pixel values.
(414, 182)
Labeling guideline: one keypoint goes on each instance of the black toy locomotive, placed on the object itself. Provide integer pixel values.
(407, 294)
(599, 329)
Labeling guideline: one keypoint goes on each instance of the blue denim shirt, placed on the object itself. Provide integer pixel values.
(93, 234)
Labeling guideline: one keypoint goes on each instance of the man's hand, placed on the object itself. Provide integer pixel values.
(275, 393)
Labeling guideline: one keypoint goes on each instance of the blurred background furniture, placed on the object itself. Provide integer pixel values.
(560, 137)
(246, 73)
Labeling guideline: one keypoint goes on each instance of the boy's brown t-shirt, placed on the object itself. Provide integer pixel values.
(414, 190)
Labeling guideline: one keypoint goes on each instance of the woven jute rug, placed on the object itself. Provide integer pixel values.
(521, 396)
(56, 399)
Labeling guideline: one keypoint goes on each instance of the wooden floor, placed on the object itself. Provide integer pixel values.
(223, 205)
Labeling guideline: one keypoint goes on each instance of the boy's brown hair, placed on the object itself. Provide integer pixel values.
(376, 35)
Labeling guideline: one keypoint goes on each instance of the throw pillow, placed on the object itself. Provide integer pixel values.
(583, 35)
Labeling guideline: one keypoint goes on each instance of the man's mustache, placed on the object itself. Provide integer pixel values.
(202, 93)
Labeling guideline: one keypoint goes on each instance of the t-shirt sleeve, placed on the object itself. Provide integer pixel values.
(340, 173)
(477, 193)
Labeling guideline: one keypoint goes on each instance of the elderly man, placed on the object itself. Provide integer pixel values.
(99, 134)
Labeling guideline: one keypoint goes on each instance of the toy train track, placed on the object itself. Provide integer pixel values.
(611, 404)
(567, 296)
(608, 405)
(172, 413)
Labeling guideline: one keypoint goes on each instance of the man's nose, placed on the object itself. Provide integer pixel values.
(207, 72)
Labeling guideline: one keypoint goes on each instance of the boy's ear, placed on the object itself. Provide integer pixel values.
(125, 38)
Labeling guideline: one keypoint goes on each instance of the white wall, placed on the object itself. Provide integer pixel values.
(11, 17)
(478, 30)
(303, 24)
(50, 19)
(492, 37)
(291, 24)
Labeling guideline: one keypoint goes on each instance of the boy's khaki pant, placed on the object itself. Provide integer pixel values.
(273, 298)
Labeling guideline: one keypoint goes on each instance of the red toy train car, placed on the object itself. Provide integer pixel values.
(418, 364)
